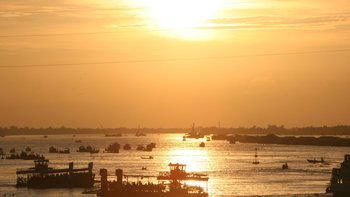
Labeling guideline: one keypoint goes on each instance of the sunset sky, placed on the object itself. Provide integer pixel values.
(168, 63)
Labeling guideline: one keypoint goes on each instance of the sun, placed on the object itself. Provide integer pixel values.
(187, 19)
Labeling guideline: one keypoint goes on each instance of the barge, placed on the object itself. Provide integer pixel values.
(42, 176)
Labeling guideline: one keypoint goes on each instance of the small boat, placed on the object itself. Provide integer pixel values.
(202, 144)
(208, 138)
(113, 135)
(316, 161)
(183, 138)
(78, 141)
(127, 147)
(113, 148)
(143, 168)
(256, 161)
(64, 151)
(45, 136)
(140, 147)
(285, 166)
(52, 149)
(147, 157)
(88, 149)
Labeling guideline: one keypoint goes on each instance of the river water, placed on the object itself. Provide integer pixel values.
(229, 166)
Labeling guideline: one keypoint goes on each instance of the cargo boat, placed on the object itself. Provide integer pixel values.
(41, 176)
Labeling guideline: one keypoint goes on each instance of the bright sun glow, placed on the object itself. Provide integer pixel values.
(182, 18)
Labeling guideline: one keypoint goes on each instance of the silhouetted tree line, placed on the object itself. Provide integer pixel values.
(270, 129)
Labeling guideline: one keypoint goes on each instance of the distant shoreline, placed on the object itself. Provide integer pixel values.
(271, 129)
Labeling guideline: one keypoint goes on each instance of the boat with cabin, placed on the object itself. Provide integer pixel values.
(170, 184)
(42, 176)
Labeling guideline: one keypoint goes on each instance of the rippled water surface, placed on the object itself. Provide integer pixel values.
(229, 166)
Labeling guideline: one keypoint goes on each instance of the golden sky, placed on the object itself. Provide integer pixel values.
(168, 63)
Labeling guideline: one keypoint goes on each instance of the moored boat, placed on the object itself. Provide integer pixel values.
(170, 184)
(41, 176)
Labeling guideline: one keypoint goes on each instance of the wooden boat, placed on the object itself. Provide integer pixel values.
(147, 157)
(316, 161)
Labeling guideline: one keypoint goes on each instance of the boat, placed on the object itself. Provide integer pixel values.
(64, 151)
(193, 134)
(316, 161)
(147, 157)
(256, 161)
(25, 156)
(113, 148)
(140, 147)
(127, 147)
(45, 136)
(52, 149)
(78, 141)
(170, 184)
(340, 179)
(202, 144)
(113, 135)
(88, 149)
(1, 151)
(208, 138)
(144, 168)
(149, 147)
(285, 166)
(42, 176)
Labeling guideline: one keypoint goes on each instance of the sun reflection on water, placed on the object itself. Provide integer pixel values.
(196, 159)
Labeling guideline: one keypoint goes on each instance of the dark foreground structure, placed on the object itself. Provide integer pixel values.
(41, 176)
(170, 184)
(340, 181)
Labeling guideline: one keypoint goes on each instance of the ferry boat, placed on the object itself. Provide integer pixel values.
(41, 176)
(170, 184)
(340, 180)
